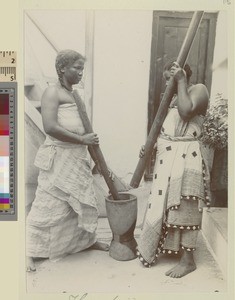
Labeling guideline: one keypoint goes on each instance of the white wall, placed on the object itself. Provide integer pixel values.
(121, 80)
(122, 48)
(64, 28)
(219, 67)
(121, 72)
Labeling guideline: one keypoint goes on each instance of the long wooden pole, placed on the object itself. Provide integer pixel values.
(168, 94)
(95, 148)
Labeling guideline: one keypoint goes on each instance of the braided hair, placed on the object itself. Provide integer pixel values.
(65, 58)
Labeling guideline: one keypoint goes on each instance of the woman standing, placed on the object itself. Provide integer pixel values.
(174, 213)
(63, 217)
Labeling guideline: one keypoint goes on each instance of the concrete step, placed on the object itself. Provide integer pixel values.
(215, 232)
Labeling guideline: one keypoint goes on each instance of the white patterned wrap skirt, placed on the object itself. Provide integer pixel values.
(64, 214)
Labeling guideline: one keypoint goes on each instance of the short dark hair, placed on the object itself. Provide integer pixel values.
(187, 68)
(66, 57)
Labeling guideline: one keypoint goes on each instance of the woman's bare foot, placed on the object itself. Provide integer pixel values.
(30, 264)
(185, 266)
(100, 246)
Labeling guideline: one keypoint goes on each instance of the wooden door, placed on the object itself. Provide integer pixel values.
(168, 32)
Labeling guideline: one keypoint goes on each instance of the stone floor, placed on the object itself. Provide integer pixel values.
(95, 271)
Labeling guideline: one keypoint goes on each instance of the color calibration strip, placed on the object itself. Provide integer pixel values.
(8, 93)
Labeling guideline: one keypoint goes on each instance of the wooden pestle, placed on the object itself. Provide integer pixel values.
(168, 94)
(95, 149)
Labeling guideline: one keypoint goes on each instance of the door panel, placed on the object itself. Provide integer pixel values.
(168, 32)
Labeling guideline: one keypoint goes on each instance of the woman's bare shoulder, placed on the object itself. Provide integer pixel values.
(199, 87)
(51, 93)
(51, 90)
(200, 90)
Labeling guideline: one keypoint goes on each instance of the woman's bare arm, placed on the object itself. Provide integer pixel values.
(49, 110)
(190, 102)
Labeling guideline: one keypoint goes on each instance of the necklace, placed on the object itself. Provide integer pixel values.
(61, 85)
(65, 87)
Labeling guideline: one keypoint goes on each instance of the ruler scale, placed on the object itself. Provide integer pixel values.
(7, 66)
(8, 136)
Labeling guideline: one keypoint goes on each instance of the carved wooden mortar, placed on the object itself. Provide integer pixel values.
(122, 216)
